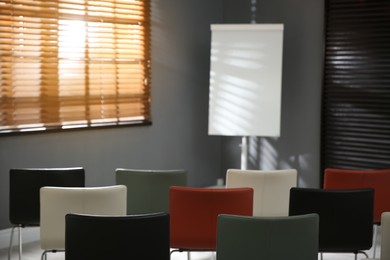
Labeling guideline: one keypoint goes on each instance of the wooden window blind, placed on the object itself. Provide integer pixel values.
(356, 91)
(73, 63)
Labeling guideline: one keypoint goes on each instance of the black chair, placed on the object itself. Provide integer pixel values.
(117, 237)
(346, 217)
(25, 184)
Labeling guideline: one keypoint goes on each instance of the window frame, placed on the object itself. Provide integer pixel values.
(88, 123)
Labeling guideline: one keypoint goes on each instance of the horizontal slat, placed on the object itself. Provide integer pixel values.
(356, 92)
(65, 63)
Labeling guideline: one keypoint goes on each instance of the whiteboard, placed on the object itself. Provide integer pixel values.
(245, 79)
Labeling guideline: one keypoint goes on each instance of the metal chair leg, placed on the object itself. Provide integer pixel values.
(44, 255)
(375, 240)
(20, 242)
(11, 243)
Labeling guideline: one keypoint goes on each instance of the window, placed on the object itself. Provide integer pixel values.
(73, 63)
(356, 93)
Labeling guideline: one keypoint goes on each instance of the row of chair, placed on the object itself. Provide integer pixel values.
(147, 237)
(270, 198)
(151, 185)
(194, 216)
(220, 220)
(277, 187)
(378, 179)
(346, 216)
(277, 238)
(192, 223)
(25, 183)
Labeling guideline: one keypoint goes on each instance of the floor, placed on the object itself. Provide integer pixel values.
(32, 251)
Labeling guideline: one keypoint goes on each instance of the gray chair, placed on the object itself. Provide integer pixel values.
(25, 183)
(267, 238)
(152, 186)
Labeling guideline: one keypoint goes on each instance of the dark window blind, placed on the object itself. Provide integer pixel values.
(356, 91)
(73, 63)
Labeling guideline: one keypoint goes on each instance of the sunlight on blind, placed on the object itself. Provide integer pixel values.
(73, 63)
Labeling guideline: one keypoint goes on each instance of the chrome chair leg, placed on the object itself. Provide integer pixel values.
(375, 240)
(44, 255)
(11, 243)
(20, 242)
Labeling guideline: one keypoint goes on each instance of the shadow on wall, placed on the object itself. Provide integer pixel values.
(263, 154)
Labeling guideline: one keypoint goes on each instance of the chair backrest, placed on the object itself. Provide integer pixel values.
(194, 211)
(346, 216)
(271, 238)
(117, 237)
(25, 184)
(385, 236)
(56, 202)
(379, 180)
(271, 188)
(148, 190)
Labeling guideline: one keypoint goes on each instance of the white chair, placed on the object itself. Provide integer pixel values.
(271, 188)
(385, 237)
(56, 202)
(385, 240)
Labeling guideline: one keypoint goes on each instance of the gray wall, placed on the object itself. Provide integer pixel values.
(178, 136)
(299, 144)
(180, 73)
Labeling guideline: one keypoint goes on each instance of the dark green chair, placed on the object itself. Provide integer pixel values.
(148, 190)
(267, 238)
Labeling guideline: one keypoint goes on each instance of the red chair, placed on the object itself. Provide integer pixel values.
(194, 212)
(379, 180)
